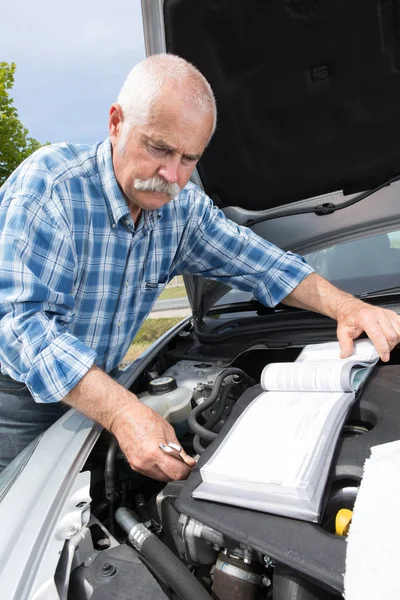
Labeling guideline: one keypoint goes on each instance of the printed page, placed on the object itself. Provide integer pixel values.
(305, 377)
(320, 368)
(274, 440)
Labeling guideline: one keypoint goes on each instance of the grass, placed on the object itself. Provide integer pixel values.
(149, 332)
(173, 292)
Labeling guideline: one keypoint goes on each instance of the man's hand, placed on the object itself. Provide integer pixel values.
(139, 431)
(381, 325)
(353, 316)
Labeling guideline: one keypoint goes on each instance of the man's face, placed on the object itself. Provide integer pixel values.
(167, 148)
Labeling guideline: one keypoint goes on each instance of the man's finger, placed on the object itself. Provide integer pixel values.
(394, 319)
(345, 341)
(174, 468)
(389, 329)
(150, 470)
(376, 334)
(188, 459)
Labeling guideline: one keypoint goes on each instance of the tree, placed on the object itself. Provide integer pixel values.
(15, 143)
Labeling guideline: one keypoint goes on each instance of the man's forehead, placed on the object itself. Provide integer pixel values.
(177, 122)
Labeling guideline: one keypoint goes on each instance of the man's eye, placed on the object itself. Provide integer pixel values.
(157, 151)
(186, 161)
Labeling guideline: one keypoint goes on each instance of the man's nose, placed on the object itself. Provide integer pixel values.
(170, 170)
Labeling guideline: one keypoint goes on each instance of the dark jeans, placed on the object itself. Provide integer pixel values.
(21, 418)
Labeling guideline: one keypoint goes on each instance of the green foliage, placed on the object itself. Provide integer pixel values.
(15, 143)
(151, 329)
(173, 292)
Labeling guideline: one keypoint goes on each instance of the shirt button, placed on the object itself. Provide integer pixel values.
(114, 225)
(119, 324)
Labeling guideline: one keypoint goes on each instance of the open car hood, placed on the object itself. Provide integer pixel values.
(307, 92)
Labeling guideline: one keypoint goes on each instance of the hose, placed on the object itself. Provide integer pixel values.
(223, 397)
(110, 491)
(161, 559)
(197, 445)
(287, 584)
(192, 420)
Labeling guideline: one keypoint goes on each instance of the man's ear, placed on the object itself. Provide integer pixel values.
(115, 123)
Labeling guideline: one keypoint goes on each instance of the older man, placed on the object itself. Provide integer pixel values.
(90, 235)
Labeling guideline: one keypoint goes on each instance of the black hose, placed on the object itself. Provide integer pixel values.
(192, 420)
(223, 397)
(288, 584)
(197, 445)
(110, 489)
(161, 559)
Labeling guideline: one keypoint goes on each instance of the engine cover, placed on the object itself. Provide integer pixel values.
(305, 547)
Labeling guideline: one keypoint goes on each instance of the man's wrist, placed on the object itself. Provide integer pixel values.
(119, 412)
(346, 305)
(102, 399)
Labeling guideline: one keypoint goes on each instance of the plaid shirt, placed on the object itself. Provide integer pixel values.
(78, 279)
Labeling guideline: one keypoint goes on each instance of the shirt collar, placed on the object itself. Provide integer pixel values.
(116, 203)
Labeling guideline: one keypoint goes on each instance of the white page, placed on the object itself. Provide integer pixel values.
(319, 367)
(305, 376)
(363, 351)
(273, 439)
(372, 557)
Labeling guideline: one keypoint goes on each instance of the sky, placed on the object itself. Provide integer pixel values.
(72, 58)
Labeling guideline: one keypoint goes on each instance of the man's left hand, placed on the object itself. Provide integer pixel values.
(381, 325)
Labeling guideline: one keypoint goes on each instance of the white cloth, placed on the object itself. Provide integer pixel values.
(373, 543)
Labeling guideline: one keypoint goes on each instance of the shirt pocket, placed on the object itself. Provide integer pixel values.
(153, 288)
(149, 295)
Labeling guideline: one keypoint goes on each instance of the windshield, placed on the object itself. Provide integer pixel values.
(371, 263)
(365, 265)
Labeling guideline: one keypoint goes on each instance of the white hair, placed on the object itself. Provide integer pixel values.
(144, 86)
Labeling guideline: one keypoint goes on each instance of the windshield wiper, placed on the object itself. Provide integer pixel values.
(392, 291)
(322, 209)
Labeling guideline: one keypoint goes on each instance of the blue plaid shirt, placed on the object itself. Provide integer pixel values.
(78, 279)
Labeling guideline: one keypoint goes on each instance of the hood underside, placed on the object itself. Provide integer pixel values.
(308, 94)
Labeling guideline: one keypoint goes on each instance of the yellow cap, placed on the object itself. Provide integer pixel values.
(343, 520)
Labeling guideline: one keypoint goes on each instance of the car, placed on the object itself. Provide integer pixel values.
(305, 154)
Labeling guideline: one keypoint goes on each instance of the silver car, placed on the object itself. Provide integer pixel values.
(307, 155)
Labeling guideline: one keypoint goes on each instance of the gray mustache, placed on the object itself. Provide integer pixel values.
(156, 184)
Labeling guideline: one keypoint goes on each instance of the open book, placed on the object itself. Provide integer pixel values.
(277, 456)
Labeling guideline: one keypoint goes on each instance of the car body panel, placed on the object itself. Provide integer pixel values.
(39, 511)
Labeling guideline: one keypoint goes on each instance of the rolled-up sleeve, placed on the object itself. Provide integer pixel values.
(38, 266)
(219, 249)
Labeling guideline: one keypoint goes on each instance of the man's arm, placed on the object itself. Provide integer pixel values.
(353, 316)
(36, 307)
(235, 255)
(138, 429)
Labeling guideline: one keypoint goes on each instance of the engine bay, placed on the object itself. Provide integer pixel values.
(233, 552)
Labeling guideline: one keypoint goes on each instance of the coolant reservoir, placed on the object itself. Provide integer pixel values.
(170, 401)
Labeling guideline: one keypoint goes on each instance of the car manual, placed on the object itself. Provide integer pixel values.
(277, 456)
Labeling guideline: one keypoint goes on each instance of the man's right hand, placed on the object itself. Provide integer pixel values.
(139, 431)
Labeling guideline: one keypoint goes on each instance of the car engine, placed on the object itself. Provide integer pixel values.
(230, 552)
